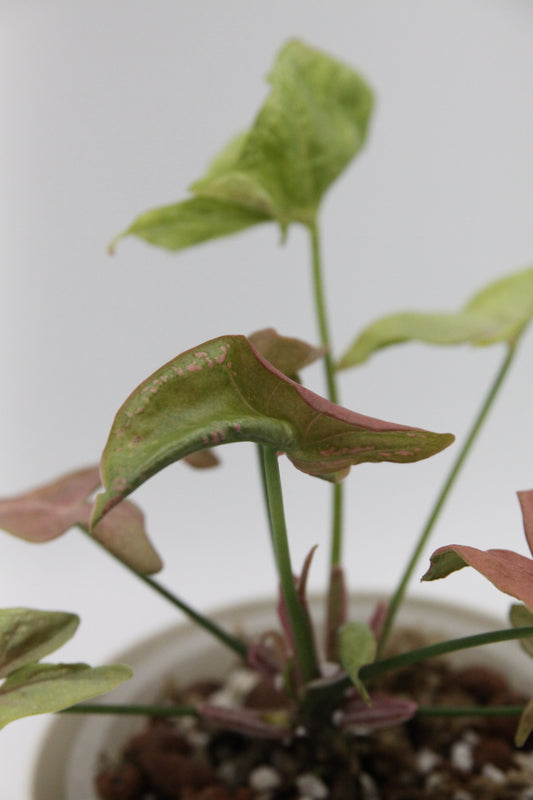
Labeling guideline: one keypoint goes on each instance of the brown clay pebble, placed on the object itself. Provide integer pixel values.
(480, 682)
(218, 792)
(265, 697)
(120, 782)
(492, 751)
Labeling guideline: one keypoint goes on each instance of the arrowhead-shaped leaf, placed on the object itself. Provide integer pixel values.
(498, 313)
(27, 635)
(508, 571)
(522, 617)
(224, 391)
(42, 688)
(47, 512)
(357, 647)
(311, 125)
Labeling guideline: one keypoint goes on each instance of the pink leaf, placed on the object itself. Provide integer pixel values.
(383, 712)
(47, 512)
(336, 611)
(123, 533)
(202, 459)
(526, 504)
(257, 724)
(377, 620)
(510, 572)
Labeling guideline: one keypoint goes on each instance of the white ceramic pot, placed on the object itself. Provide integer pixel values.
(70, 754)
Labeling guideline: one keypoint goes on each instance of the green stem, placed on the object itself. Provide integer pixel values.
(211, 627)
(333, 395)
(478, 422)
(299, 622)
(259, 450)
(470, 711)
(440, 649)
(321, 313)
(132, 710)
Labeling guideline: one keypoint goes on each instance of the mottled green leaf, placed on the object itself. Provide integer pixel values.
(498, 313)
(191, 222)
(42, 688)
(312, 124)
(522, 617)
(27, 635)
(224, 391)
(42, 514)
(357, 647)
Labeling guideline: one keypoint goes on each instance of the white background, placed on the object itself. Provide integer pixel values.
(114, 106)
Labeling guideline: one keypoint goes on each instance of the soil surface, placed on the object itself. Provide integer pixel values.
(467, 758)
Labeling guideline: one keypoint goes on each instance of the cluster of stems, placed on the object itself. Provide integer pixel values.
(303, 640)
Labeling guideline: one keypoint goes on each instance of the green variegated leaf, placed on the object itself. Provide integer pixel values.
(498, 313)
(357, 647)
(42, 688)
(27, 635)
(191, 222)
(522, 617)
(311, 125)
(224, 391)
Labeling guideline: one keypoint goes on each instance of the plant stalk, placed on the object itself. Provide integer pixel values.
(132, 710)
(441, 499)
(204, 622)
(440, 649)
(470, 711)
(300, 624)
(337, 507)
(191, 711)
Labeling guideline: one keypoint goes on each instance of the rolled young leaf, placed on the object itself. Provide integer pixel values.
(498, 313)
(357, 647)
(27, 635)
(42, 688)
(522, 617)
(224, 391)
(311, 125)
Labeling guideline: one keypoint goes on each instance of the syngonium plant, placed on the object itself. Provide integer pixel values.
(235, 388)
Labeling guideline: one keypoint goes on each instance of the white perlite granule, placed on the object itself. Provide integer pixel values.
(493, 773)
(242, 681)
(264, 778)
(426, 759)
(461, 756)
(368, 787)
(462, 794)
(311, 786)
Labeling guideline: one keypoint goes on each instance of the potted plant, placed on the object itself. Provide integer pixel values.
(319, 710)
